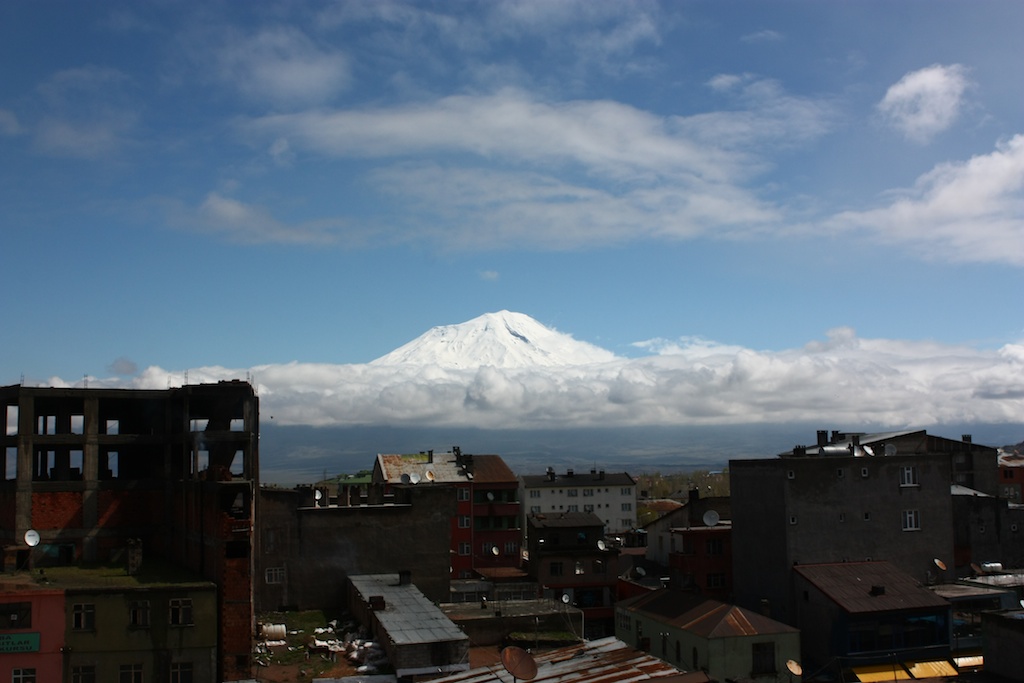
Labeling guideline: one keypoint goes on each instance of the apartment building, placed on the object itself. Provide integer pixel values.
(609, 495)
(486, 530)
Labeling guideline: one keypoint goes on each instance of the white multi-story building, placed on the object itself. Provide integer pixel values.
(609, 495)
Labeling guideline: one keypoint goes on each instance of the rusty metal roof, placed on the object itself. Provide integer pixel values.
(863, 587)
(607, 660)
(444, 468)
(702, 616)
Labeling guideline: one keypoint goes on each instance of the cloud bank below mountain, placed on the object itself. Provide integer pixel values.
(841, 380)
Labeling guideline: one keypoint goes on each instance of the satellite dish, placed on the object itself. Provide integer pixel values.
(414, 478)
(794, 667)
(868, 450)
(406, 479)
(890, 449)
(318, 494)
(490, 496)
(976, 567)
(940, 564)
(430, 475)
(1022, 603)
(640, 571)
(565, 598)
(32, 538)
(711, 518)
(494, 550)
(601, 545)
(519, 663)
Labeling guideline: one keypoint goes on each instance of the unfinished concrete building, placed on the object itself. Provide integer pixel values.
(95, 476)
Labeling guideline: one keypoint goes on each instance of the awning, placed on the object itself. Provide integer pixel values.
(970, 662)
(931, 669)
(881, 672)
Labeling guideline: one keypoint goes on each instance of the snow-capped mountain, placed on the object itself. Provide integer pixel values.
(503, 340)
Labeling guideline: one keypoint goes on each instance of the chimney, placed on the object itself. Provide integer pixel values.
(568, 472)
(551, 474)
(966, 438)
(799, 451)
(822, 437)
(377, 603)
(835, 435)
(600, 474)
(404, 577)
(430, 456)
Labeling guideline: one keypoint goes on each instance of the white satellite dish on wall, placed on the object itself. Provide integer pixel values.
(601, 545)
(32, 538)
(565, 598)
(414, 478)
(711, 518)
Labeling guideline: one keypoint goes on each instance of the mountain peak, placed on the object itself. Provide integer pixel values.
(504, 339)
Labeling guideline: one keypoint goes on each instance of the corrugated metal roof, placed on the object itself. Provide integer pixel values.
(607, 660)
(443, 468)
(854, 587)
(702, 616)
(408, 616)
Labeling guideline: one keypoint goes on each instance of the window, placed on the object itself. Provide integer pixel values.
(16, 615)
(463, 494)
(463, 521)
(181, 611)
(535, 508)
(842, 516)
(588, 508)
(138, 613)
(83, 617)
(867, 516)
(83, 674)
(274, 574)
(911, 520)
(511, 547)
(714, 546)
(130, 673)
(840, 473)
(555, 569)
(489, 549)
(464, 548)
(792, 519)
(626, 491)
(181, 672)
(23, 676)
(627, 507)
(578, 569)
(599, 566)
(716, 580)
(574, 508)
(908, 475)
(534, 493)
(572, 493)
(763, 656)
(790, 474)
(588, 492)
(864, 472)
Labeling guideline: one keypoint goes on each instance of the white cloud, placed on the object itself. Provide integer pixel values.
(763, 36)
(248, 224)
(281, 65)
(925, 102)
(88, 113)
(844, 380)
(970, 212)
(9, 123)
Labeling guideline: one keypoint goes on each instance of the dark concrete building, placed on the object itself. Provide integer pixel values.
(848, 498)
(100, 476)
(858, 614)
(570, 560)
(309, 546)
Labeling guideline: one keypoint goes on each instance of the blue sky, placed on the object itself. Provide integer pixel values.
(235, 185)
